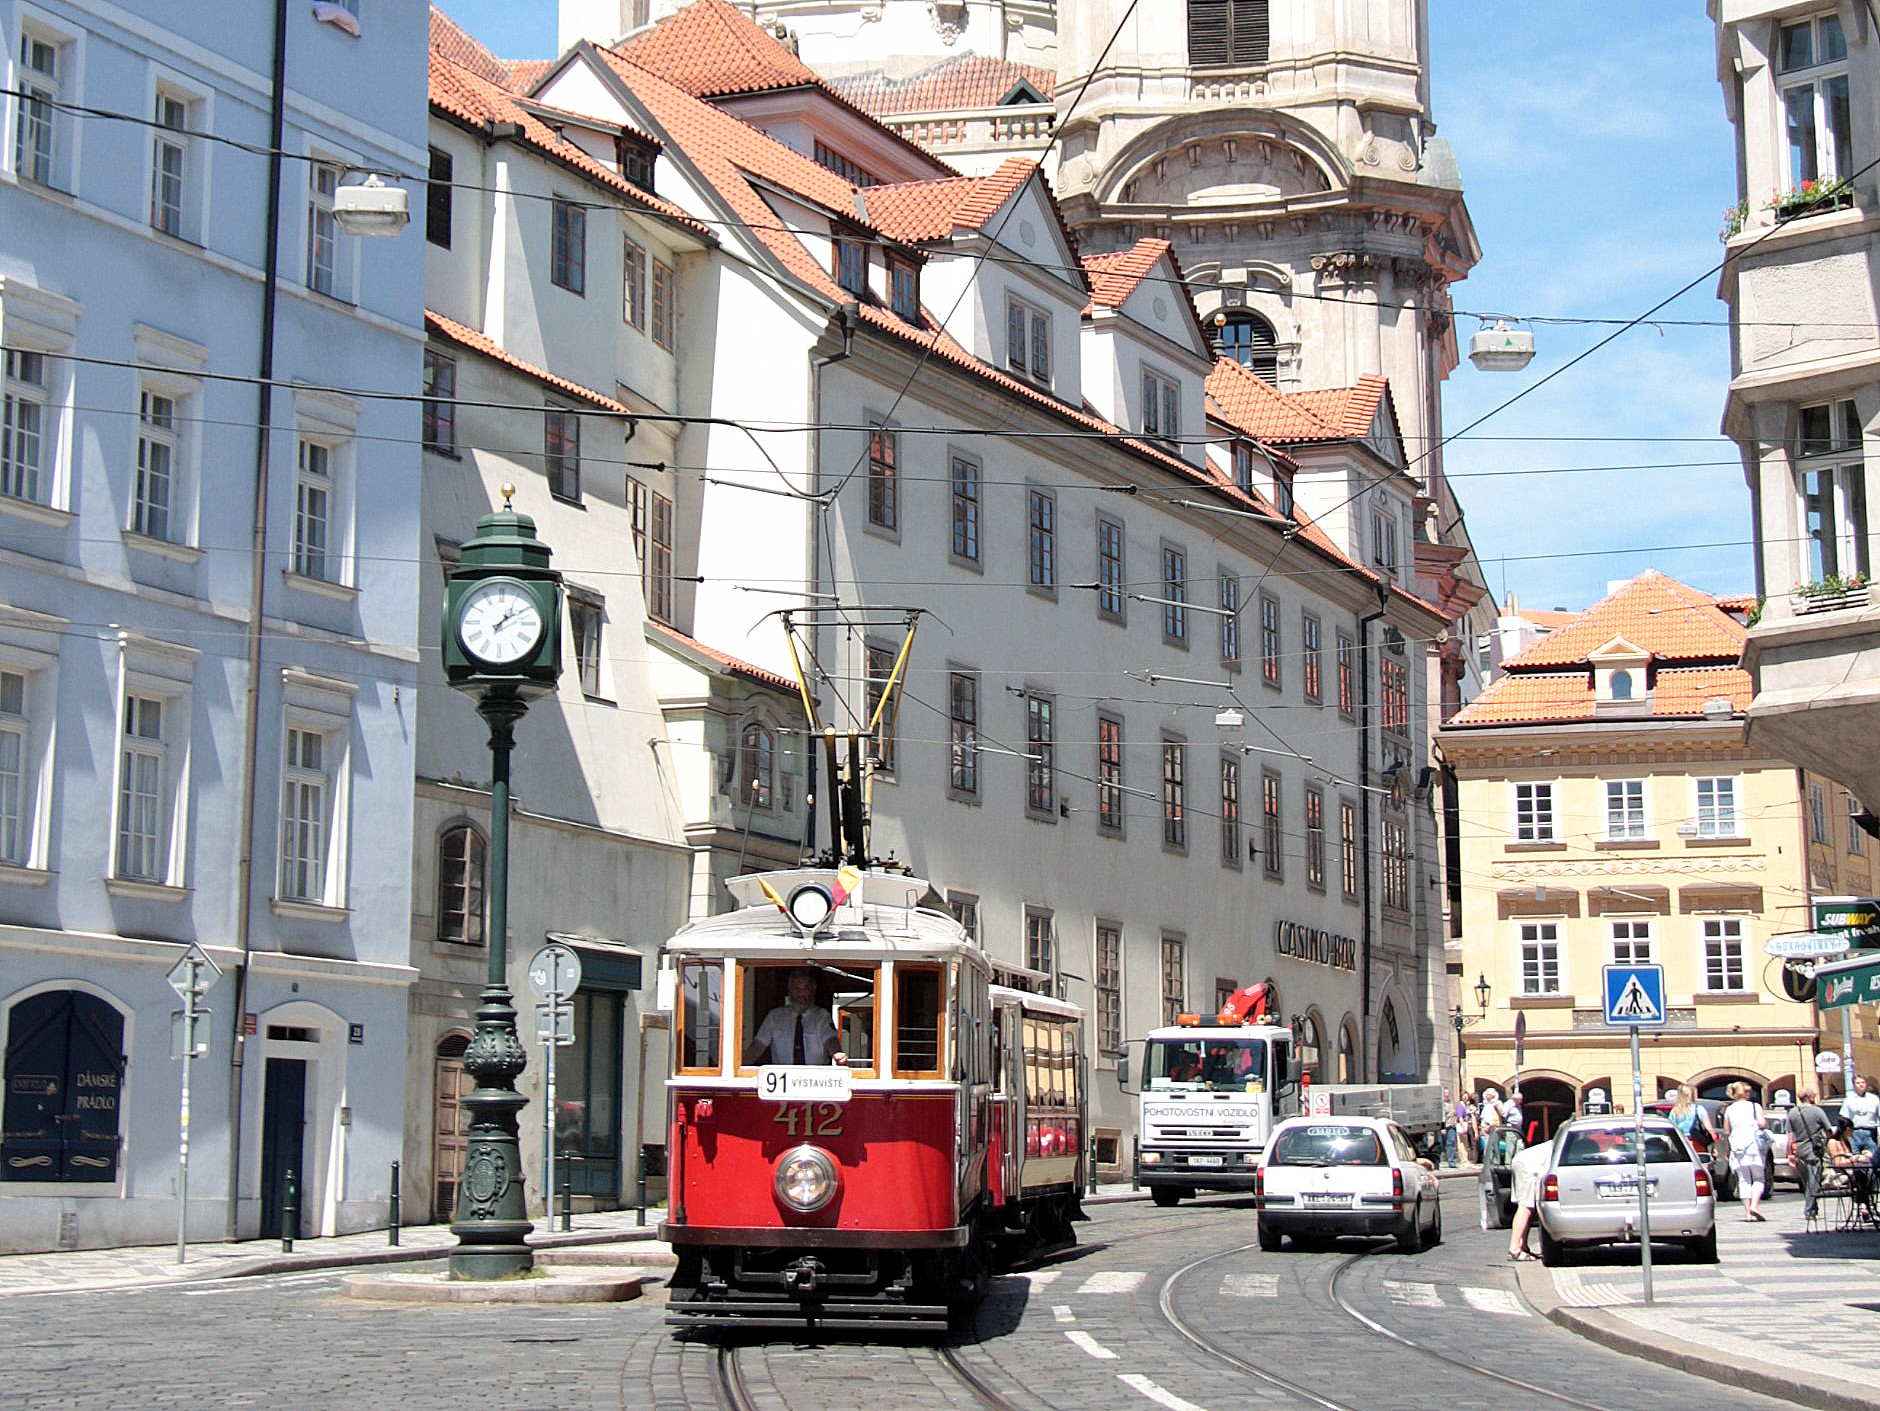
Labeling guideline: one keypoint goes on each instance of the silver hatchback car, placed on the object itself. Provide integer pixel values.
(1589, 1193)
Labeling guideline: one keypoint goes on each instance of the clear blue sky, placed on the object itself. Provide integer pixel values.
(1597, 160)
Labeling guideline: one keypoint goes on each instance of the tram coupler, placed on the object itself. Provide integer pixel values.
(802, 1277)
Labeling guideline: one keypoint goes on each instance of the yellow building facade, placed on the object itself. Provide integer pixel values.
(1610, 813)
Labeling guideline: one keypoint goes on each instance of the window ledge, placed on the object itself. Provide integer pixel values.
(162, 548)
(338, 592)
(1534, 847)
(1559, 1001)
(1726, 997)
(962, 796)
(33, 510)
(142, 890)
(1734, 840)
(448, 452)
(969, 565)
(1037, 815)
(573, 502)
(20, 876)
(1627, 845)
(308, 911)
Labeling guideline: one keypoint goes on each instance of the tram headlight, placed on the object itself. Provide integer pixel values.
(806, 1179)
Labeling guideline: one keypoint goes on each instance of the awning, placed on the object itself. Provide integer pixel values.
(1846, 982)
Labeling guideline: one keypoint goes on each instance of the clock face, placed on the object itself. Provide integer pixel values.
(499, 622)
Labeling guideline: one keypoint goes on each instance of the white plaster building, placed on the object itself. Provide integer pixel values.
(206, 714)
(1802, 87)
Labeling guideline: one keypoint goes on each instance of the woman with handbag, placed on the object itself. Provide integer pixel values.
(1743, 1123)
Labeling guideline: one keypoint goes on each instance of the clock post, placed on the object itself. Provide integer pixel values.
(502, 645)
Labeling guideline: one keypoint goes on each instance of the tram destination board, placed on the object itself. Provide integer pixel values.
(803, 1084)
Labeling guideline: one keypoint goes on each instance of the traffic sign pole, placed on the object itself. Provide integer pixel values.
(554, 975)
(1635, 997)
(190, 977)
(1644, 1175)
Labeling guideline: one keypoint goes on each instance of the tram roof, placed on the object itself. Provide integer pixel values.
(893, 923)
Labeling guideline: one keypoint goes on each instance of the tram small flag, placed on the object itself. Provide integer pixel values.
(847, 894)
(771, 892)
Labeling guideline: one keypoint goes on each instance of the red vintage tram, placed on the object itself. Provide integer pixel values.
(947, 1133)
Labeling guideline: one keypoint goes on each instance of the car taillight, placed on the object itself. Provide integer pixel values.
(1550, 1188)
(1259, 1185)
(1703, 1181)
(1396, 1184)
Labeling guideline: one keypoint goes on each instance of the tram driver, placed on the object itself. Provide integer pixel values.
(798, 1031)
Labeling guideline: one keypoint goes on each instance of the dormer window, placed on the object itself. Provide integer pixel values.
(1384, 543)
(1283, 491)
(1243, 466)
(1620, 680)
(635, 156)
(1028, 342)
(1161, 406)
(1250, 341)
(904, 289)
(1621, 685)
(851, 265)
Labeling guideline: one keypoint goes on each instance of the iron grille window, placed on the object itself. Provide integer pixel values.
(1227, 34)
(1040, 774)
(884, 491)
(963, 730)
(1174, 796)
(1109, 774)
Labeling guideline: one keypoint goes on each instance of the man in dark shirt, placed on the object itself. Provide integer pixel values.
(1810, 1127)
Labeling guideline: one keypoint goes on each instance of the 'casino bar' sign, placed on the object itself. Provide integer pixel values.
(1315, 946)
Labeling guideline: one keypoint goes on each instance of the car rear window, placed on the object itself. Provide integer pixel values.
(1327, 1144)
(1607, 1147)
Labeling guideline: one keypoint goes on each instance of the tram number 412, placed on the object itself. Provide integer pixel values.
(810, 1119)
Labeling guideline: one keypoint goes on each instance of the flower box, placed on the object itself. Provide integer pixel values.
(1812, 199)
(1804, 602)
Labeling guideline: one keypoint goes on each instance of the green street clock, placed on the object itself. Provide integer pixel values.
(502, 610)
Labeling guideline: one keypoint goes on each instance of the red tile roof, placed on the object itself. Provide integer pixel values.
(1351, 409)
(468, 94)
(712, 49)
(730, 663)
(465, 336)
(914, 211)
(1537, 698)
(953, 85)
(1113, 278)
(1251, 403)
(1671, 620)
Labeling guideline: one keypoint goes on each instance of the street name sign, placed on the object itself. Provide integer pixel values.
(1635, 995)
(1807, 945)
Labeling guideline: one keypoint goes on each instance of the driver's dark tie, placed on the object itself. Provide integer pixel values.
(802, 1055)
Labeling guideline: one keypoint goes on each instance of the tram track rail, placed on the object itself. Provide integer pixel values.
(732, 1392)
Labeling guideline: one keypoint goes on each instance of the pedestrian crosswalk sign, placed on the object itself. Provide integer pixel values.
(1635, 994)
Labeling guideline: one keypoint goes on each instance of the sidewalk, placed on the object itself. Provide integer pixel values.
(1783, 1312)
(145, 1266)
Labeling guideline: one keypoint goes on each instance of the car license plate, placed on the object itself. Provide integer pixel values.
(1204, 1160)
(1622, 1190)
(1327, 1200)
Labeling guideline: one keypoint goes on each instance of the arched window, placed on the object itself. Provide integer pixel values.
(757, 769)
(64, 1077)
(461, 862)
(1250, 341)
(1347, 1053)
(1396, 1051)
(1622, 685)
(1311, 1056)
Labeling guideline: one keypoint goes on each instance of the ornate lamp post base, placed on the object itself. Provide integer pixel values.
(492, 1224)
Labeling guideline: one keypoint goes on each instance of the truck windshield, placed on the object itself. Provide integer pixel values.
(1215, 1065)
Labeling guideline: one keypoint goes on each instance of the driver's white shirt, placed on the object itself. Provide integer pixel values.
(777, 1034)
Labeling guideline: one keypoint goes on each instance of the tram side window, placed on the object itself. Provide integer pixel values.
(827, 999)
(1035, 1081)
(917, 1006)
(701, 984)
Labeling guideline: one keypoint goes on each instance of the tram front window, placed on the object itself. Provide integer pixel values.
(701, 987)
(791, 1014)
(1214, 1065)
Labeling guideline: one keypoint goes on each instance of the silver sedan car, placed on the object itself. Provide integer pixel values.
(1590, 1191)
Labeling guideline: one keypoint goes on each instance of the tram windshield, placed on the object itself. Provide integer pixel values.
(1212, 1065)
(796, 1013)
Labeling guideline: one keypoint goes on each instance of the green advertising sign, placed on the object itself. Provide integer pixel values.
(1847, 914)
(1848, 982)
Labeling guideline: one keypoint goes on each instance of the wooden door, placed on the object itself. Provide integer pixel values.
(450, 1127)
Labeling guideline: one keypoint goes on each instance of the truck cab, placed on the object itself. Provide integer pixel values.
(1211, 1094)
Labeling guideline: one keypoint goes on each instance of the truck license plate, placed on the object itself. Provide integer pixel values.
(1204, 1161)
(1327, 1200)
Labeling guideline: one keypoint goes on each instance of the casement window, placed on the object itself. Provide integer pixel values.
(169, 164)
(25, 429)
(437, 198)
(1230, 811)
(1396, 696)
(322, 229)
(141, 825)
(1161, 406)
(1174, 978)
(1226, 34)
(1540, 958)
(1109, 986)
(1028, 342)
(965, 910)
(1174, 794)
(1396, 864)
(1310, 664)
(849, 171)
(1283, 491)
(1315, 839)
(665, 305)
(1174, 595)
(1723, 955)
(633, 282)
(1832, 483)
(884, 486)
(1041, 538)
(963, 732)
(850, 258)
(1348, 849)
(1817, 814)
(1625, 809)
(1111, 603)
(1040, 950)
(1347, 670)
(462, 874)
(1716, 808)
(1243, 466)
(1040, 761)
(904, 289)
(16, 770)
(1856, 835)
(306, 794)
(1271, 836)
(635, 160)
(1271, 647)
(567, 255)
(584, 628)
(561, 452)
(878, 670)
(314, 555)
(1384, 543)
(1817, 112)
(440, 402)
(153, 493)
(965, 472)
(39, 129)
(1230, 620)
(1110, 814)
(1631, 942)
(1534, 813)
(658, 561)
(757, 764)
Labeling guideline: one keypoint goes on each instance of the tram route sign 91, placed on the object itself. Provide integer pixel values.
(790, 1083)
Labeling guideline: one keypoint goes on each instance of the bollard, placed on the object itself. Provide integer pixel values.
(567, 1198)
(640, 1217)
(290, 1216)
(397, 1216)
(1093, 1166)
(1135, 1163)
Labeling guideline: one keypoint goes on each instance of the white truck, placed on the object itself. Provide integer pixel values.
(1212, 1093)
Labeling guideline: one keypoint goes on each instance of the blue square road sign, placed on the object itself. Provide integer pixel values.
(1635, 994)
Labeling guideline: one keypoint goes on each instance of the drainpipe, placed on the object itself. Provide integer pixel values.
(1364, 828)
(257, 582)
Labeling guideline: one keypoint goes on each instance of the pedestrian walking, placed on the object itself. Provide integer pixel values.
(1743, 1123)
(1809, 1126)
(1862, 1108)
(1529, 1168)
(1450, 1134)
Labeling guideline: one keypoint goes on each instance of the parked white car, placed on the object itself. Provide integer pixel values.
(1589, 1193)
(1320, 1178)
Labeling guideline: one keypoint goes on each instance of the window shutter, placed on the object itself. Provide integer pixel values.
(1208, 31)
(1249, 32)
